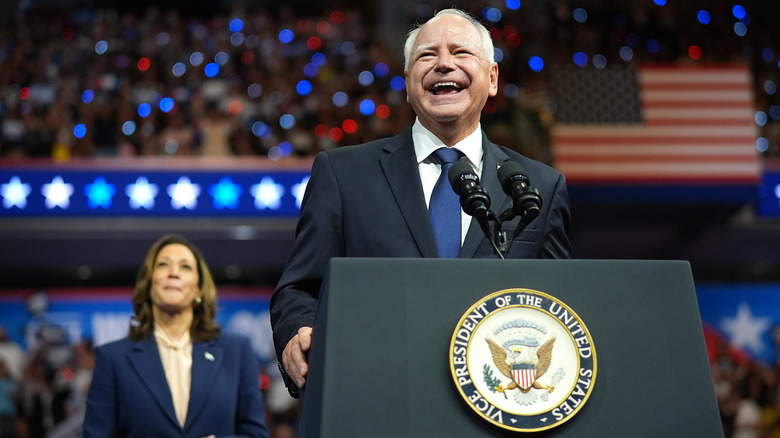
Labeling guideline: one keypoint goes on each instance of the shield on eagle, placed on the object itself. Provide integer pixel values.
(524, 374)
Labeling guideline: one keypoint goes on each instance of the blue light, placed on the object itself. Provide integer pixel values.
(225, 194)
(581, 59)
(99, 193)
(512, 4)
(237, 38)
(770, 87)
(287, 121)
(580, 15)
(340, 98)
(347, 48)
(366, 78)
(236, 25)
(768, 54)
(319, 59)
(498, 54)
(128, 128)
(196, 59)
(211, 69)
(760, 118)
(221, 58)
(367, 107)
(285, 149)
(254, 91)
(80, 130)
(703, 17)
(179, 69)
(536, 63)
(166, 104)
(304, 87)
(740, 29)
(491, 14)
(660, 2)
(144, 109)
(381, 69)
(101, 47)
(286, 36)
(260, 129)
(398, 83)
(653, 46)
(738, 11)
(626, 53)
(600, 61)
(311, 70)
(762, 144)
(87, 96)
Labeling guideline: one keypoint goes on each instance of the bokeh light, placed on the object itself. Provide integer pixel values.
(80, 130)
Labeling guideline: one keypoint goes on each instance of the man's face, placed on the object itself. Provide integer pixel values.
(449, 79)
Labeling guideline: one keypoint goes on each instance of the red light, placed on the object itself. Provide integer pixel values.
(247, 57)
(694, 52)
(265, 382)
(513, 39)
(235, 107)
(337, 17)
(321, 131)
(383, 111)
(495, 34)
(144, 64)
(314, 43)
(336, 134)
(510, 29)
(24, 93)
(323, 27)
(350, 126)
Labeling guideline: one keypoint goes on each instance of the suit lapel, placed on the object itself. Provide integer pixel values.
(400, 166)
(206, 361)
(492, 159)
(145, 359)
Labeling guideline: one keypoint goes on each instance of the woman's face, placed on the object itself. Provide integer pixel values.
(175, 279)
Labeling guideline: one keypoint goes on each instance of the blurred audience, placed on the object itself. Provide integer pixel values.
(259, 81)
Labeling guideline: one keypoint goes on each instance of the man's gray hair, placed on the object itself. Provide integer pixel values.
(487, 42)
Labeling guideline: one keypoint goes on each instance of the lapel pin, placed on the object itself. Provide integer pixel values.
(209, 356)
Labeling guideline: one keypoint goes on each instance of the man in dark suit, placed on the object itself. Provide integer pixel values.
(372, 200)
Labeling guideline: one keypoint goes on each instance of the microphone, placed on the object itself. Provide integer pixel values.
(473, 198)
(526, 201)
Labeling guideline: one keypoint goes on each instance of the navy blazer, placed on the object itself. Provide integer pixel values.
(129, 395)
(368, 201)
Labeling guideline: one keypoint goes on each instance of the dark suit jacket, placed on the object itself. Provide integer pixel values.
(129, 396)
(368, 201)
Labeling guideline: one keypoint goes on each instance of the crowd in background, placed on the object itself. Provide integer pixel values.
(276, 82)
(64, 70)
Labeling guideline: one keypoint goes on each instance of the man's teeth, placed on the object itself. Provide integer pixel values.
(445, 84)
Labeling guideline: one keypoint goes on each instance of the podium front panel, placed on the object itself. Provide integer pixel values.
(379, 361)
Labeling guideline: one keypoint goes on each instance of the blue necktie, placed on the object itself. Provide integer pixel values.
(444, 207)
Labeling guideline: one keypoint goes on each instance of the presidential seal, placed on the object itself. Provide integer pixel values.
(523, 360)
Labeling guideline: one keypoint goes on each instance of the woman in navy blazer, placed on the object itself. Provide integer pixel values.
(140, 390)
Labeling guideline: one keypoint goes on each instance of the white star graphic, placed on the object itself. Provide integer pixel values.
(15, 193)
(57, 193)
(184, 194)
(141, 193)
(267, 194)
(298, 190)
(745, 330)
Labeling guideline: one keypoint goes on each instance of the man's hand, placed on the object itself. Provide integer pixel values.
(294, 356)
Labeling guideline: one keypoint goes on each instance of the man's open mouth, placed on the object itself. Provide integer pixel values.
(445, 88)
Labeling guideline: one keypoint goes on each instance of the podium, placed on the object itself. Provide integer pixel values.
(379, 364)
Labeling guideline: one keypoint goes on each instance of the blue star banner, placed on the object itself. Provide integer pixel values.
(744, 317)
(64, 192)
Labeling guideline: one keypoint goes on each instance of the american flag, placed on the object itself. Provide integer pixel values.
(655, 124)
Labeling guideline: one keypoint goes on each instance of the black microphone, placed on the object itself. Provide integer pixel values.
(473, 198)
(526, 201)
